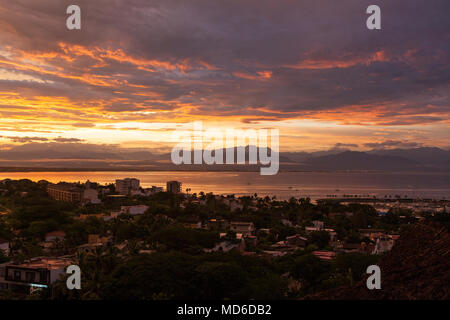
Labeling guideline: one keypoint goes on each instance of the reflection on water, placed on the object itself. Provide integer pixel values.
(283, 185)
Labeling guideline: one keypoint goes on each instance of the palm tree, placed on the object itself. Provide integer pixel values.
(133, 247)
(92, 273)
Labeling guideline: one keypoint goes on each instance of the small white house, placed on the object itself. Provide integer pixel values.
(134, 210)
(4, 246)
(91, 196)
(383, 244)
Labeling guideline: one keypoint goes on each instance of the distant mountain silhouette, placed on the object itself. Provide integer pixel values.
(303, 156)
(425, 155)
(112, 157)
(353, 160)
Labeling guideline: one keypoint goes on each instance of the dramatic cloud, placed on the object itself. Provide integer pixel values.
(253, 61)
(346, 145)
(67, 140)
(41, 139)
(25, 139)
(392, 144)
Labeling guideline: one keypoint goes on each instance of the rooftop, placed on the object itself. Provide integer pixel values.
(51, 263)
(64, 187)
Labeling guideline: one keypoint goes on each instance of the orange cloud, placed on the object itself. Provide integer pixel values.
(314, 64)
(260, 75)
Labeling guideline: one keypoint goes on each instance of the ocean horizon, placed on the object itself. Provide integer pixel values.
(284, 185)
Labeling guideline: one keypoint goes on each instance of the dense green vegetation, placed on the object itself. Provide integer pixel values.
(177, 275)
(155, 256)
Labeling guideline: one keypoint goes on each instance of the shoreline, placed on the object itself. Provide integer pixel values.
(75, 170)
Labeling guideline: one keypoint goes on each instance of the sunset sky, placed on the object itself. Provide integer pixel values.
(139, 69)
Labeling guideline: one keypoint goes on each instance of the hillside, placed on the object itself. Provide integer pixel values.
(417, 268)
(426, 155)
(352, 160)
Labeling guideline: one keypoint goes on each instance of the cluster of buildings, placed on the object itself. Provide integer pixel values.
(82, 194)
(42, 272)
(131, 186)
(89, 192)
(374, 241)
(416, 206)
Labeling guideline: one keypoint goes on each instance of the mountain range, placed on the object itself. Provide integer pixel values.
(66, 156)
(425, 158)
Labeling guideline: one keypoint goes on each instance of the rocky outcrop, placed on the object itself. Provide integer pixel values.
(417, 268)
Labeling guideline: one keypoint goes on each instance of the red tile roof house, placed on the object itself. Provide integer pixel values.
(325, 255)
(51, 236)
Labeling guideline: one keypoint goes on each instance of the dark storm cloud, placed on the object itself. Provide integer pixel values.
(346, 145)
(41, 139)
(391, 144)
(67, 140)
(25, 139)
(257, 60)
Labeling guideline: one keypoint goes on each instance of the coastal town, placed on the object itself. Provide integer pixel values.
(274, 249)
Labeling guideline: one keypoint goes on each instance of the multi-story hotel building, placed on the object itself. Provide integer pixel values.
(125, 186)
(65, 192)
(174, 186)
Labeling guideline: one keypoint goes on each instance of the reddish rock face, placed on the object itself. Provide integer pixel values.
(416, 268)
